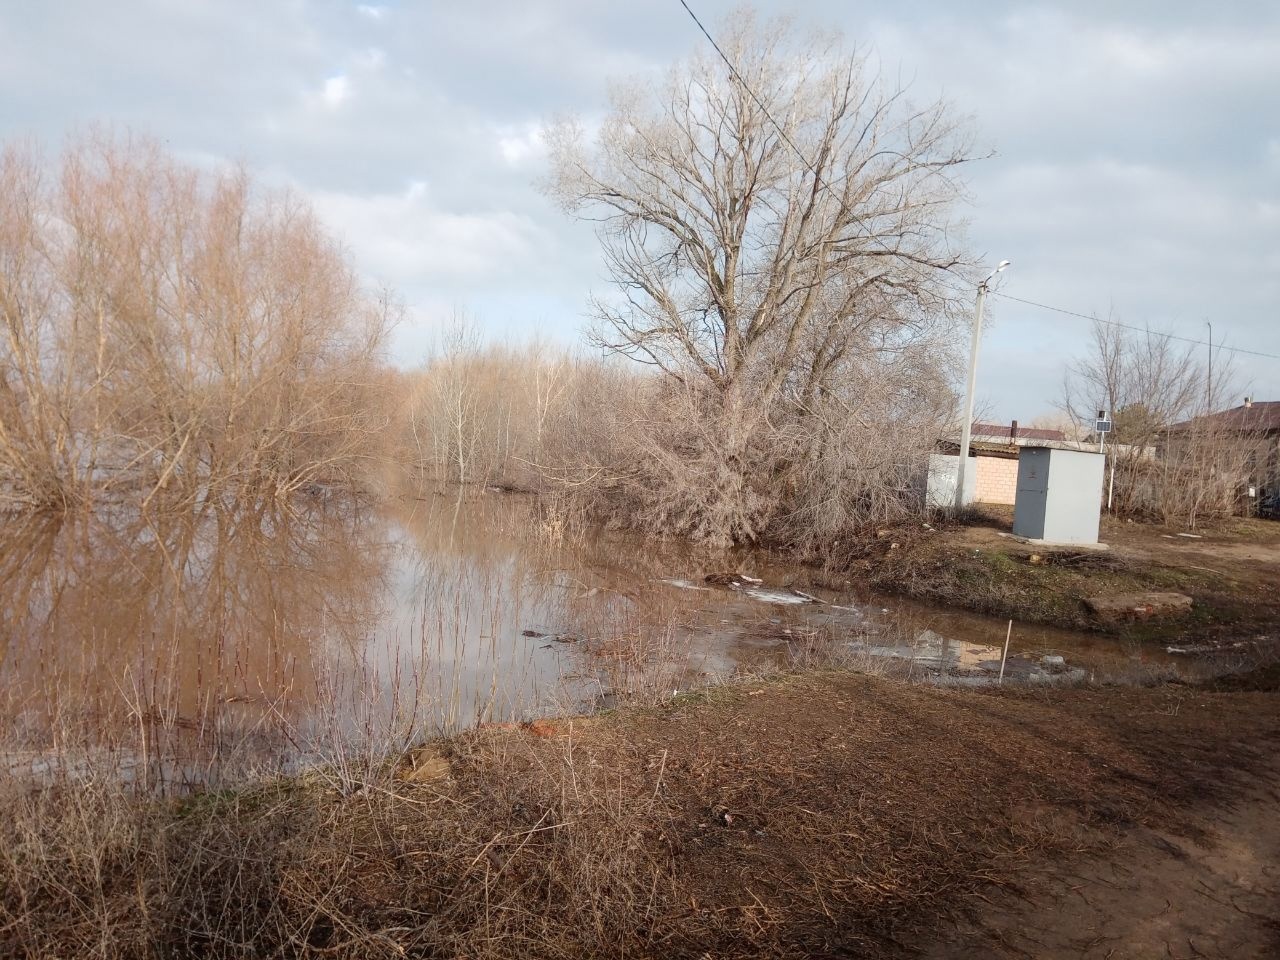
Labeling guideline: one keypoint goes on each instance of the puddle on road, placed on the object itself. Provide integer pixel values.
(255, 630)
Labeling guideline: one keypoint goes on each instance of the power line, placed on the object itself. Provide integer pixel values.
(823, 184)
(733, 71)
(1129, 326)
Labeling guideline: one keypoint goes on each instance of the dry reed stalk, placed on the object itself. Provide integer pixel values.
(813, 813)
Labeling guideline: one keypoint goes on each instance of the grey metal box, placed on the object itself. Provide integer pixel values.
(1059, 498)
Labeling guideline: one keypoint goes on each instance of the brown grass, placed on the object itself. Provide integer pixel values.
(820, 814)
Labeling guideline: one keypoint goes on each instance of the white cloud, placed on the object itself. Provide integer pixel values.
(1138, 155)
(407, 239)
(374, 58)
(1134, 53)
(521, 145)
(336, 91)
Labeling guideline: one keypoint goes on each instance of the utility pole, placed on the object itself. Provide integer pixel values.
(1208, 387)
(966, 427)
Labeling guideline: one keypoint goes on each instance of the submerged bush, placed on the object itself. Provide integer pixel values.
(610, 442)
(168, 328)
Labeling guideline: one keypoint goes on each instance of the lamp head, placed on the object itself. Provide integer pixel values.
(991, 276)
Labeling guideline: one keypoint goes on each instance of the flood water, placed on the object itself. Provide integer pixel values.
(269, 635)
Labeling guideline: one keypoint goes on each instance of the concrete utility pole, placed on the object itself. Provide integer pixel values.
(1208, 386)
(966, 428)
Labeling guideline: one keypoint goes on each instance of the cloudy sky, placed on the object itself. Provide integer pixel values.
(1136, 169)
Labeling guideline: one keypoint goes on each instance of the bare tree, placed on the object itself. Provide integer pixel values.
(775, 231)
(1173, 460)
(754, 220)
(167, 329)
(1144, 379)
(502, 413)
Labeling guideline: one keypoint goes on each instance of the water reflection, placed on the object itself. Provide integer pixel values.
(271, 633)
(194, 625)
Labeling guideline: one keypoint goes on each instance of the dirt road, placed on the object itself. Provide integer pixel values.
(1214, 893)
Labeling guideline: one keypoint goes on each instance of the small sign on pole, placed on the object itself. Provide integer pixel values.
(1102, 426)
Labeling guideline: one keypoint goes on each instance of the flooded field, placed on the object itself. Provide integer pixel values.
(193, 648)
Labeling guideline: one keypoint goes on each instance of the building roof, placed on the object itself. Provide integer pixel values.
(1004, 450)
(979, 448)
(1260, 416)
(1023, 433)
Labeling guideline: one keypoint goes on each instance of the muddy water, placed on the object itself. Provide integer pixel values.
(272, 634)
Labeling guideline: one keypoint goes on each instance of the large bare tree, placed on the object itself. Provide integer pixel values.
(760, 220)
(782, 227)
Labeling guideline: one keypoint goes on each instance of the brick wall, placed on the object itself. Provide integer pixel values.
(996, 480)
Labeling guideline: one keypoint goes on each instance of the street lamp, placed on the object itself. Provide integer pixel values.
(967, 426)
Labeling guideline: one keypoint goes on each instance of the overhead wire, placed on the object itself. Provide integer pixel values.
(733, 71)
(823, 184)
(1130, 326)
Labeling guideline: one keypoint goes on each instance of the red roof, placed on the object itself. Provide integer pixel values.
(1261, 416)
(1024, 433)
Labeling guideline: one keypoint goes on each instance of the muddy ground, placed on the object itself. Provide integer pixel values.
(1156, 894)
(821, 814)
(1230, 572)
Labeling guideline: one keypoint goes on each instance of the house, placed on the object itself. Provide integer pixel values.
(1252, 432)
(1259, 418)
(1013, 435)
(993, 449)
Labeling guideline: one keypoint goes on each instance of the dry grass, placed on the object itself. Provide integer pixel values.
(813, 815)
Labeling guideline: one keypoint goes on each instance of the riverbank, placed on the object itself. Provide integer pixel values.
(813, 814)
(1227, 573)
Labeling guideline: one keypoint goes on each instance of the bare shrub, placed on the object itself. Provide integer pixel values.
(700, 469)
(1199, 475)
(861, 450)
(171, 329)
(517, 414)
(612, 443)
(1173, 460)
(671, 457)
